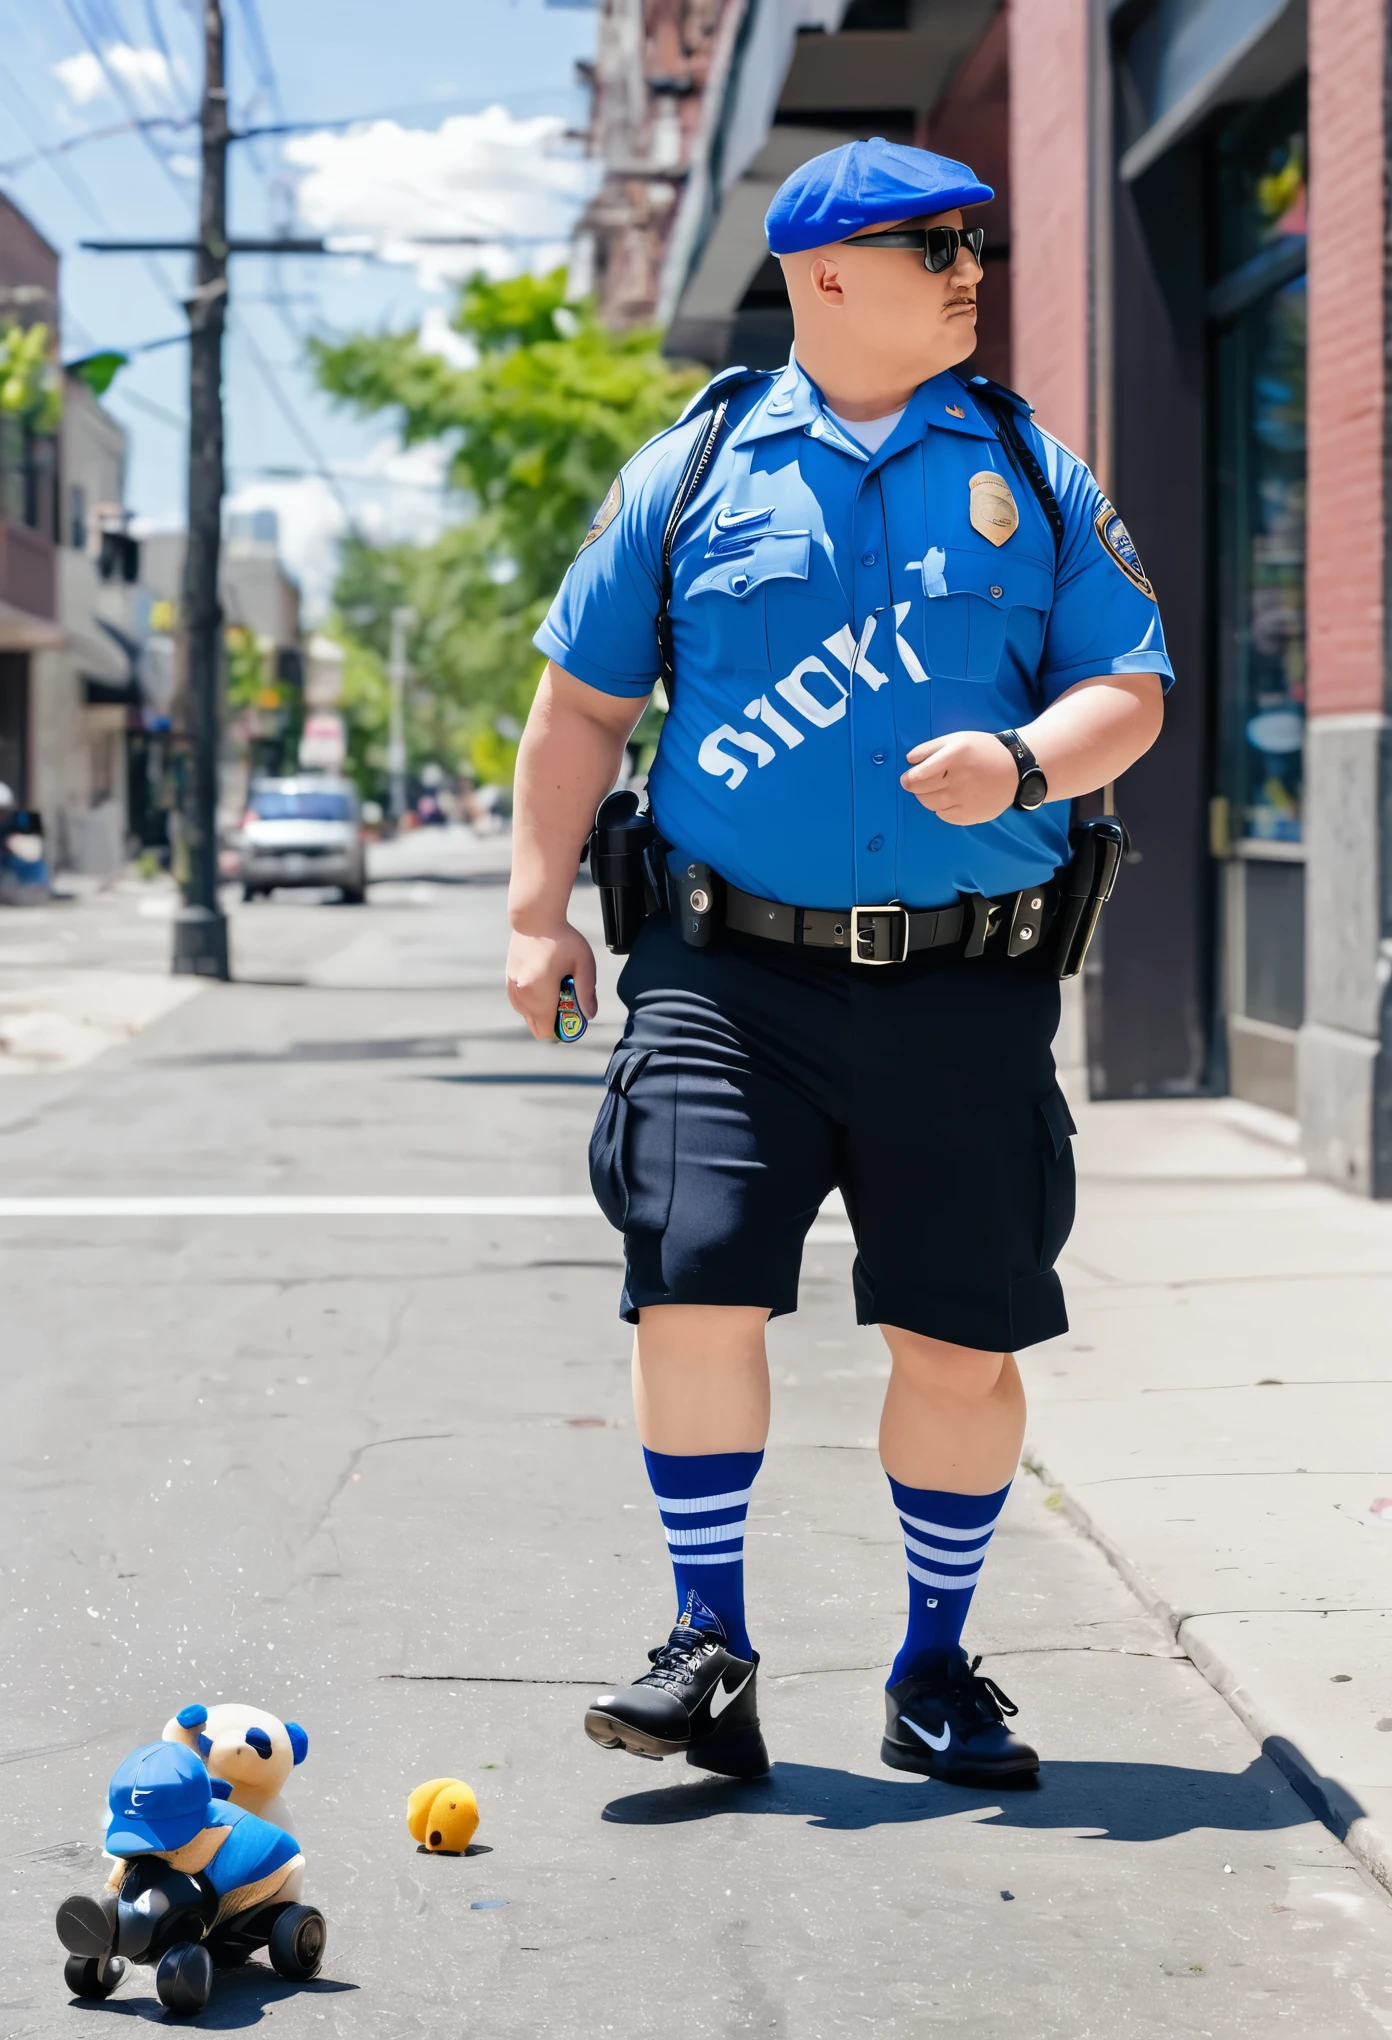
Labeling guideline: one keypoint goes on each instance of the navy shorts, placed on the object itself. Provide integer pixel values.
(753, 1079)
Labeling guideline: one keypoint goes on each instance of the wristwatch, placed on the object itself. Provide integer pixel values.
(1033, 789)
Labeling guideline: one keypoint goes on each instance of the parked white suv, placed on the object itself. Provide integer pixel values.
(303, 831)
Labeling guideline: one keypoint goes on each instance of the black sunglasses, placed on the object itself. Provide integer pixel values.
(941, 245)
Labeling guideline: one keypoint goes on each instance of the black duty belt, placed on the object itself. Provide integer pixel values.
(888, 934)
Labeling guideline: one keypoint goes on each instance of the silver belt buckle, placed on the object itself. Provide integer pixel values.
(859, 916)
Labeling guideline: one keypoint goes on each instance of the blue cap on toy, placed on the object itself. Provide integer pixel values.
(863, 184)
(160, 1798)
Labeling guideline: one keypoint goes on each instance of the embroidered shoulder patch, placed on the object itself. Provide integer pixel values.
(605, 515)
(1118, 543)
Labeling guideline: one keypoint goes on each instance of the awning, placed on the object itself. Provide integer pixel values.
(1189, 56)
(21, 631)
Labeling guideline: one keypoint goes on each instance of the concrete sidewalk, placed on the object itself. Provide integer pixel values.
(1219, 1419)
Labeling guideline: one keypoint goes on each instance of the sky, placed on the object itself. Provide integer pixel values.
(461, 112)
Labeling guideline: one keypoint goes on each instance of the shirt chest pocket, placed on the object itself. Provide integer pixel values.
(971, 605)
(737, 605)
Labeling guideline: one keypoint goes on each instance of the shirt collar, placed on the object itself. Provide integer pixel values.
(794, 404)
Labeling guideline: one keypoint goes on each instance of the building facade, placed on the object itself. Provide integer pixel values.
(1187, 274)
(29, 510)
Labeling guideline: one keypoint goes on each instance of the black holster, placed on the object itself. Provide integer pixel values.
(1084, 887)
(623, 849)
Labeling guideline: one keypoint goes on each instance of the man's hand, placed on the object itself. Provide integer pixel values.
(535, 966)
(965, 778)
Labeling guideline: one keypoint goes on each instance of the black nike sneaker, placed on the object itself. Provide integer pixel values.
(949, 1723)
(699, 1700)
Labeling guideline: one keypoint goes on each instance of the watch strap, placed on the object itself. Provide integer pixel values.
(1025, 760)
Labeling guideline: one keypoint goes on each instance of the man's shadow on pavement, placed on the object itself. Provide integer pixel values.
(1120, 1802)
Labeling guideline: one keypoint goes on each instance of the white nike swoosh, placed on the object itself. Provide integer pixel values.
(720, 1698)
(934, 1742)
(739, 520)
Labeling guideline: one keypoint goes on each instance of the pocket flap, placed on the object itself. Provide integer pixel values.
(1021, 580)
(772, 556)
(1058, 1119)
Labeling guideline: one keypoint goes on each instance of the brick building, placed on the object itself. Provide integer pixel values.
(1186, 273)
(28, 508)
(1200, 273)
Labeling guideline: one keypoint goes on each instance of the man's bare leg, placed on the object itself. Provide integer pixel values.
(953, 1418)
(700, 1378)
(950, 1438)
(701, 1396)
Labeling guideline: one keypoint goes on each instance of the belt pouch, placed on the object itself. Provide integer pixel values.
(1085, 886)
(619, 850)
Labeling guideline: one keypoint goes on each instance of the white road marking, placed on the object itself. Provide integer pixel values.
(338, 1207)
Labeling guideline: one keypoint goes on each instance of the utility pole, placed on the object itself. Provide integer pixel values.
(397, 673)
(200, 929)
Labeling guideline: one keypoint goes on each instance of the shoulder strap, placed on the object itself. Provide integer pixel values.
(714, 398)
(1000, 403)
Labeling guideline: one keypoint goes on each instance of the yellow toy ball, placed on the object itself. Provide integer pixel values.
(443, 1816)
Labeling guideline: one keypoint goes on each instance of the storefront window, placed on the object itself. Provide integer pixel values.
(1260, 349)
(1262, 386)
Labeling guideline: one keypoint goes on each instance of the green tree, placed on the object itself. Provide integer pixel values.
(536, 432)
(29, 387)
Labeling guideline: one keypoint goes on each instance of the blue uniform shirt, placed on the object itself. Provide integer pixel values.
(830, 610)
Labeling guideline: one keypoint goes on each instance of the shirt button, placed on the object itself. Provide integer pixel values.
(998, 592)
(877, 757)
(868, 559)
(875, 843)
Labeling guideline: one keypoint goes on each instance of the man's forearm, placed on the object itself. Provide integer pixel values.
(568, 759)
(1095, 731)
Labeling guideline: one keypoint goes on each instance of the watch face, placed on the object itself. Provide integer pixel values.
(1034, 789)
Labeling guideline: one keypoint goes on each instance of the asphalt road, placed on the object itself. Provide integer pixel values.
(379, 1475)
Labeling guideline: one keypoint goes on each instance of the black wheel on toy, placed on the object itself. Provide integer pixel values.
(296, 1946)
(184, 1979)
(92, 1976)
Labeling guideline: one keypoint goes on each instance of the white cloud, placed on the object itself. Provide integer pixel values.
(152, 85)
(512, 182)
(396, 495)
(437, 336)
(82, 78)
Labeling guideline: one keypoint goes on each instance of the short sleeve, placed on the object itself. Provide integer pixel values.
(602, 626)
(1105, 618)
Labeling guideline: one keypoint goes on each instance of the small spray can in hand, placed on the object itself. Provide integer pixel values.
(570, 1021)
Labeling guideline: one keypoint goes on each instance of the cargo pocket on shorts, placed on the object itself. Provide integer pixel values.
(1054, 1127)
(633, 1146)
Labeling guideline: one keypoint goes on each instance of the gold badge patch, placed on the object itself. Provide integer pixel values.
(994, 512)
(1118, 542)
(605, 515)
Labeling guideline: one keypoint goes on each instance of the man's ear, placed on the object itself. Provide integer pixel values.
(826, 281)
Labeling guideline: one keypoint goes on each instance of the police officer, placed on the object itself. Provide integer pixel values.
(906, 629)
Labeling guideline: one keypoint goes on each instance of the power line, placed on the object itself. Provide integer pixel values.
(118, 87)
(101, 134)
(262, 60)
(65, 175)
(296, 423)
(156, 26)
(166, 417)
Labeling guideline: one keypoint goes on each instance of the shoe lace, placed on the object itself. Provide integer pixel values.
(673, 1661)
(979, 1693)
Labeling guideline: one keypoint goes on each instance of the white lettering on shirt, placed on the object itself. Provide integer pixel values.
(712, 759)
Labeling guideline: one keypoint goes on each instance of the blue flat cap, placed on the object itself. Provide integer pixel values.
(863, 184)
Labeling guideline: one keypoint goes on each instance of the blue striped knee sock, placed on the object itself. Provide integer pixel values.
(704, 1500)
(945, 1540)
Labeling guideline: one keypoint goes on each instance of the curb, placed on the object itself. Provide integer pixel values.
(1339, 1811)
